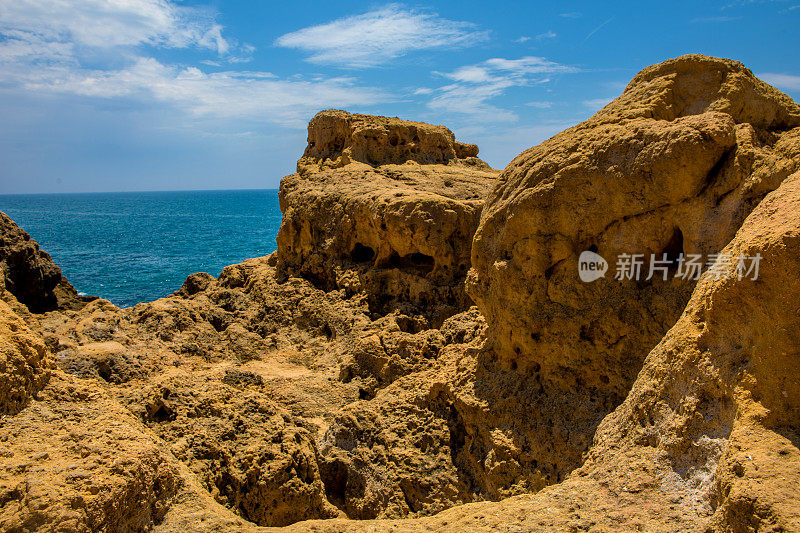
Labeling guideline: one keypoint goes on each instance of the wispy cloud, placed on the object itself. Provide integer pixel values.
(523, 39)
(550, 34)
(714, 19)
(596, 104)
(375, 37)
(571, 15)
(46, 46)
(252, 96)
(476, 85)
(540, 105)
(598, 28)
(104, 24)
(787, 82)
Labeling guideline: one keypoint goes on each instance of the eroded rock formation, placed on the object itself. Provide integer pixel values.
(670, 168)
(386, 207)
(346, 383)
(30, 274)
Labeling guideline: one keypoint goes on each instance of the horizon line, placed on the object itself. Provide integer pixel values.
(134, 191)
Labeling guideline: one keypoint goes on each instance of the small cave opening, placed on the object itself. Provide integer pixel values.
(414, 261)
(361, 253)
(334, 476)
(674, 248)
(159, 412)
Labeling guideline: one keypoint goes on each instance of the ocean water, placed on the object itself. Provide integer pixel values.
(138, 247)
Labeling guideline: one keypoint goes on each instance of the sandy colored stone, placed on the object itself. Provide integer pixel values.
(24, 362)
(386, 207)
(707, 438)
(673, 166)
(315, 383)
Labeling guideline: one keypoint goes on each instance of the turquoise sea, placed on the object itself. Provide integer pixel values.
(137, 247)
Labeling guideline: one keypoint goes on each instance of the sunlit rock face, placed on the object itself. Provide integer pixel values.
(385, 207)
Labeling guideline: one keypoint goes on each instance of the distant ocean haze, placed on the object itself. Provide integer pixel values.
(137, 247)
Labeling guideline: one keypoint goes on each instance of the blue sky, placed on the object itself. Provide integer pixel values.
(119, 95)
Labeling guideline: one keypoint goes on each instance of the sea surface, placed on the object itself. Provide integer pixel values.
(137, 247)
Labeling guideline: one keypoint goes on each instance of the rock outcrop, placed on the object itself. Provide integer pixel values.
(670, 168)
(346, 382)
(30, 274)
(385, 207)
(707, 439)
(24, 362)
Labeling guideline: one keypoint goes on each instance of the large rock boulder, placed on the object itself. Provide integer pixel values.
(670, 168)
(30, 274)
(386, 207)
(24, 362)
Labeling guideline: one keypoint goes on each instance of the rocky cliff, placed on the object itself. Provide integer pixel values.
(30, 274)
(385, 207)
(346, 383)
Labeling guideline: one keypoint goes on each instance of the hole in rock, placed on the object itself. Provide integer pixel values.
(104, 371)
(328, 331)
(334, 476)
(416, 261)
(593, 248)
(364, 394)
(674, 247)
(161, 412)
(219, 323)
(458, 432)
(361, 253)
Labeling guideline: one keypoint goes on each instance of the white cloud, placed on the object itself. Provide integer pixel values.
(550, 34)
(540, 105)
(254, 96)
(522, 39)
(786, 82)
(107, 24)
(714, 19)
(596, 104)
(476, 85)
(46, 43)
(378, 36)
(571, 15)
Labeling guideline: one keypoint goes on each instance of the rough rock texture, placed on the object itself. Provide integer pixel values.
(30, 274)
(671, 167)
(252, 455)
(386, 207)
(239, 378)
(24, 362)
(337, 138)
(337, 379)
(76, 461)
(707, 439)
